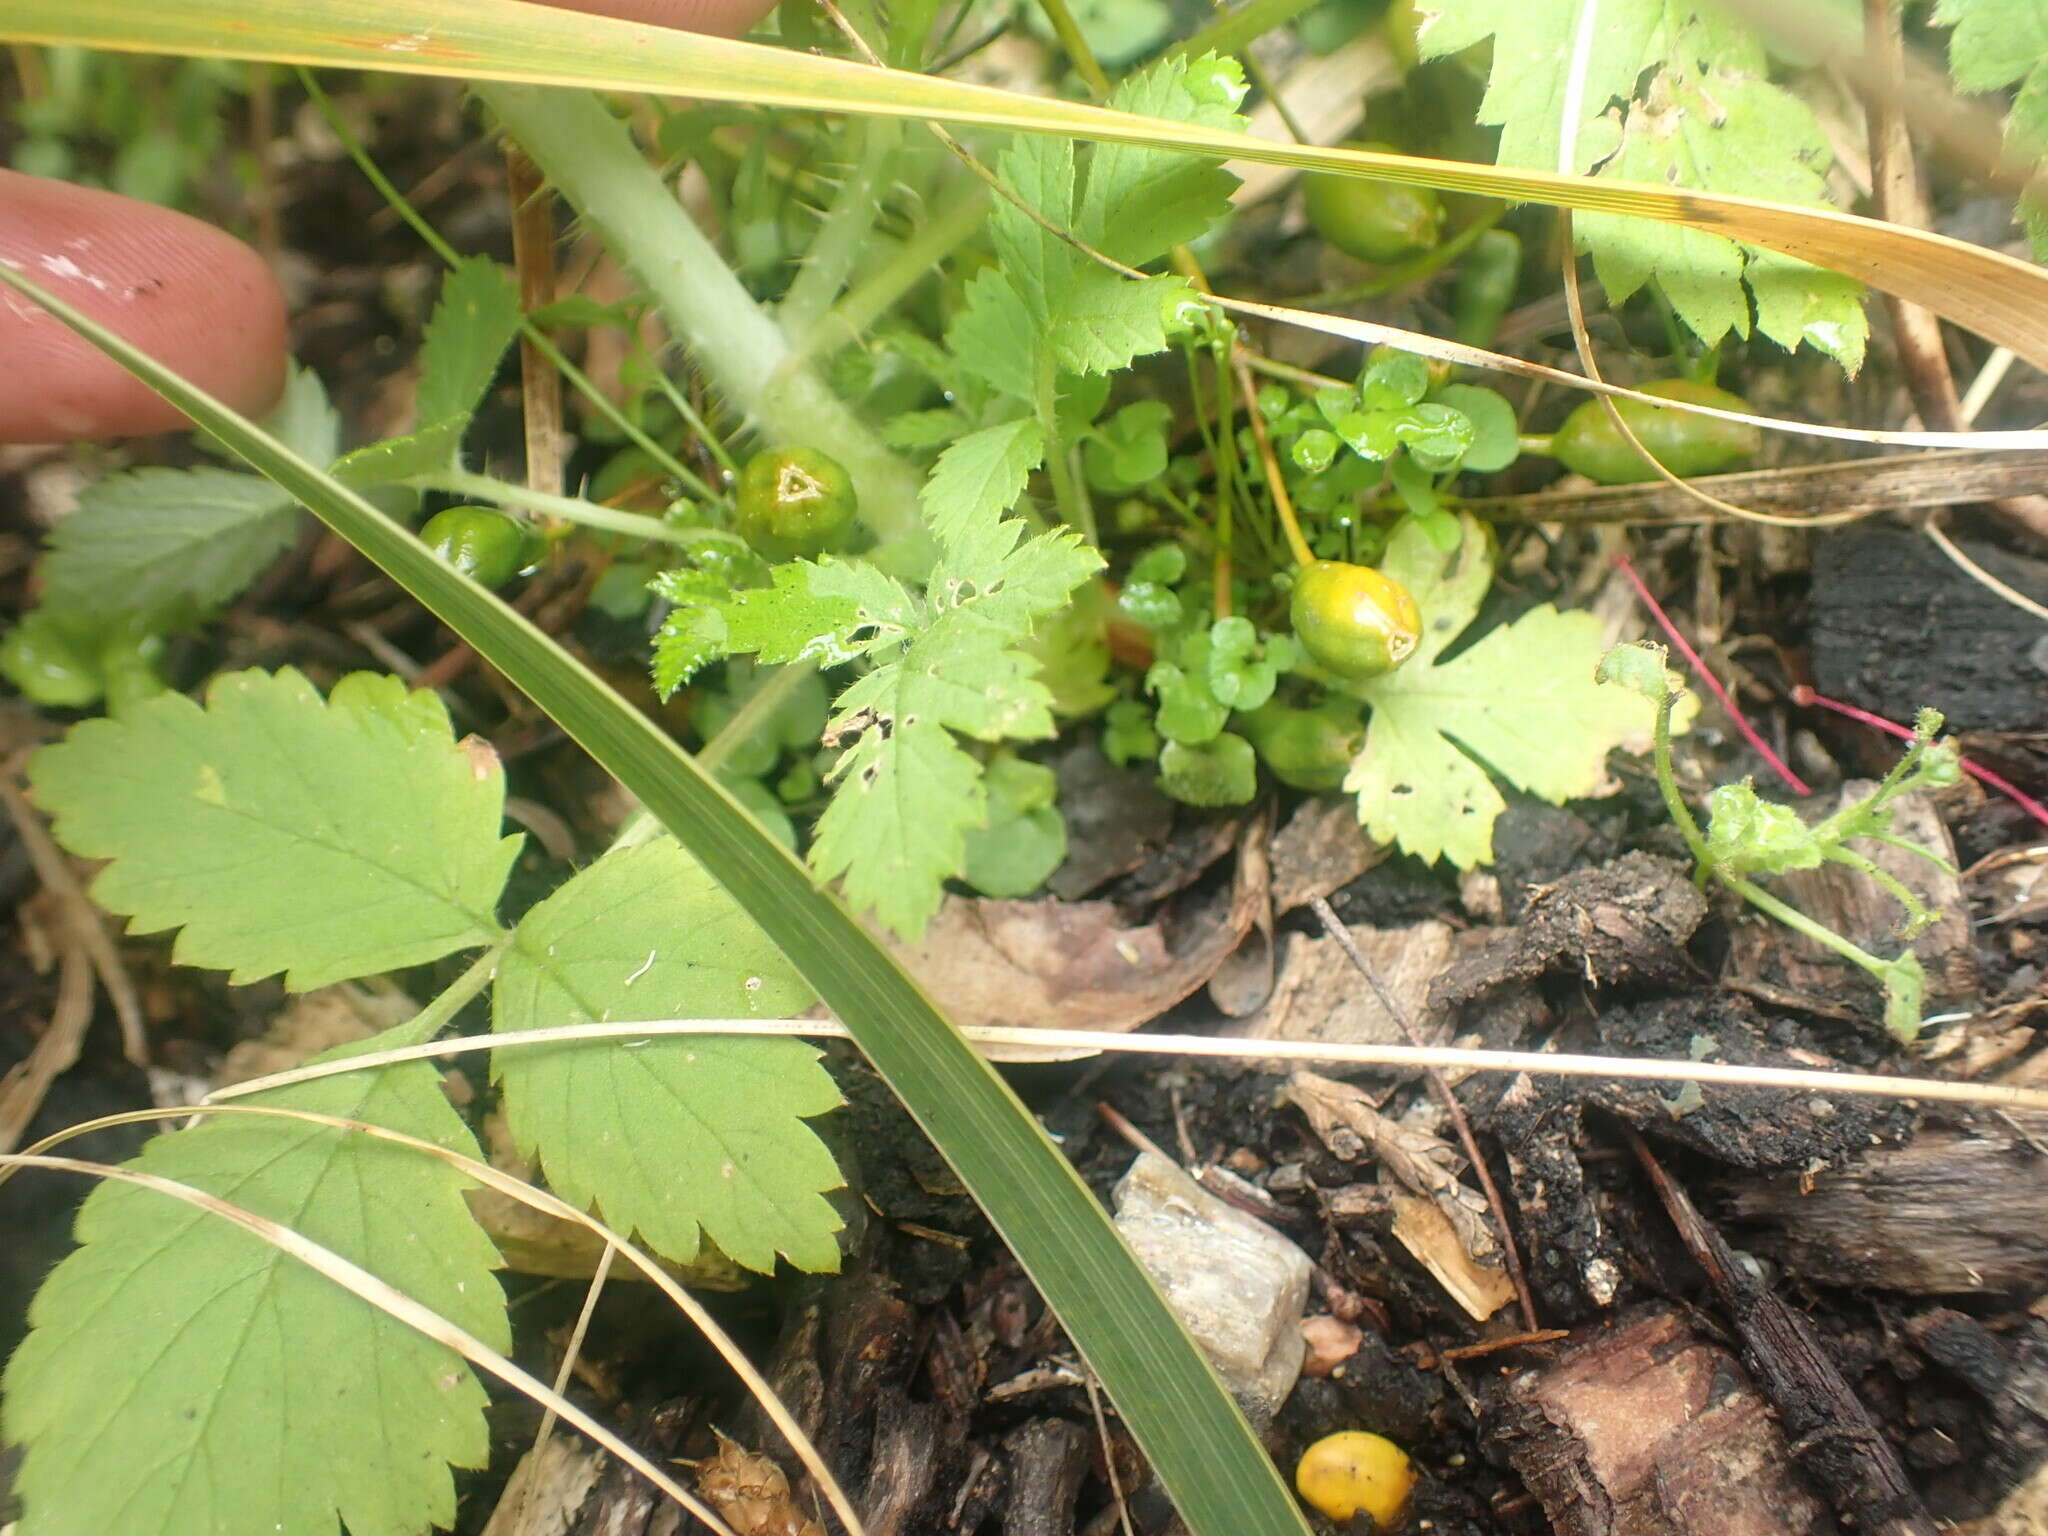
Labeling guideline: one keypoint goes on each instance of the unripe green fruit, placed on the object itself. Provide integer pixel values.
(1684, 443)
(794, 502)
(488, 547)
(1354, 620)
(1307, 749)
(1375, 221)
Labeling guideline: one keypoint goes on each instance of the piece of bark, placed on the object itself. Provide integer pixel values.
(1948, 1213)
(1897, 628)
(1645, 1429)
(1768, 960)
(1048, 1460)
(1835, 1443)
(1320, 997)
(1623, 922)
(1887, 484)
(624, 1503)
(547, 1488)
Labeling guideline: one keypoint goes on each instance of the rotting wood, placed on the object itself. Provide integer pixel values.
(1646, 1429)
(1950, 1212)
(1836, 1443)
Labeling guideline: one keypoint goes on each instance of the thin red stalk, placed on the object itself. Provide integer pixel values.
(1805, 697)
(1707, 679)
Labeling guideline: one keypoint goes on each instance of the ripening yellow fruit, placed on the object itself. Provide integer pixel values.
(1344, 1473)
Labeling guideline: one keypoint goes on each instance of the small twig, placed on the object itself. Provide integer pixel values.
(1334, 927)
(571, 1353)
(1896, 194)
(1707, 679)
(1831, 1431)
(533, 257)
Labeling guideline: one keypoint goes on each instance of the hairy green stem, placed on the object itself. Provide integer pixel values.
(431, 237)
(503, 493)
(878, 293)
(830, 258)
(590, 157)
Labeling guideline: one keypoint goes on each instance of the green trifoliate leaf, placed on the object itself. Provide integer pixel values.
(164, 549)
(1501, 699)
(184, 1378)
(644, 934)
(282, 833)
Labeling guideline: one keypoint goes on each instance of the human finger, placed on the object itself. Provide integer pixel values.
(197, 300)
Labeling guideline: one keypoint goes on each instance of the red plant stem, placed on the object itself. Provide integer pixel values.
(1805, 697)
(1707, 680)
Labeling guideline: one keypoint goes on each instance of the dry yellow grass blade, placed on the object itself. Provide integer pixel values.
(2000, 298)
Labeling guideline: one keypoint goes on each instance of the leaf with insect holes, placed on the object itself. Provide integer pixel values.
(1676, 93)
(1522, 701)
(466, 337)
(1997, 43)
(668, 1137)
(162, 550)
(182, 1377)
(283, 833)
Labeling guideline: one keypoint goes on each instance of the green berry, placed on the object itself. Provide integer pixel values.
(1375, 221)
(1354, 620)
(488, 547)
(794, 502)
(1686, 444)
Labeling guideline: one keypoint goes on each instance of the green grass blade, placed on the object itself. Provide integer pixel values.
(2003, 299)
(1221, 1479)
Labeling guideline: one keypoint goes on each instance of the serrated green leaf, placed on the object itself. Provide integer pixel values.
(184, 1378)
(1138, 204)
(1697, 109)
(466, 336)
(280, 833)
(304, 420)
(829, 611)
(431, 448)
(993, 336)
(645, 934)
(164, 549)
(1499, 701)
(981, 476)
(1997, 43)
(896, 829)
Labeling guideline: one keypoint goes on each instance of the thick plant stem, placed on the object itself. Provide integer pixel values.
(590, 157)
(876, 294)
(848, 224)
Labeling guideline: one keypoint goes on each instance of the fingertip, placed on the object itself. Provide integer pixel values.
(196, 299)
